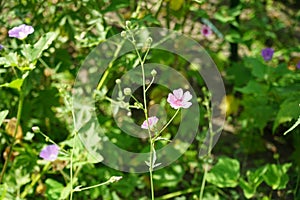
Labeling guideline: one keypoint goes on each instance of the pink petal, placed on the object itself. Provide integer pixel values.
(178, 93)
(186, 104)
(187, 96)
(152, 121)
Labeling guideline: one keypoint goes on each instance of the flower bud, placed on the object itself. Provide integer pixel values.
(123, 34)
(127, 91)
(153, 72)
(115, 179)
(36, 129)
(118, 81)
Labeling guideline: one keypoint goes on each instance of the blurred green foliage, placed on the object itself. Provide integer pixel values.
(252, 160)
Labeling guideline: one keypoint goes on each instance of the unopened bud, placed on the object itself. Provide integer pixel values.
(123, 34)
(36, 129)
(153, 72)
(118, 81)
(127, 91)
(115, 178)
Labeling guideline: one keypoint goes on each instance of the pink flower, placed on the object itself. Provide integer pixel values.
(50, 152)
(179, 99)
(21, 31)
(206, 31)
(152, 121)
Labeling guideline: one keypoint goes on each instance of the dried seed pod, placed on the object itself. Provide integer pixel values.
(11, 127)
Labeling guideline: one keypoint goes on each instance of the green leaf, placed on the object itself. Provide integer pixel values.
(54, 189)
(10, 60)
(3, 115)
(34, 52)
(233, 36)
(258, 110)
(225, 173)
(288, 111)
(16, 84)
(258, 68)
(253, 87)
(254, 179)
(276, 176)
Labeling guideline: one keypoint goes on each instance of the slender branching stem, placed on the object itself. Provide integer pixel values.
(12, 144)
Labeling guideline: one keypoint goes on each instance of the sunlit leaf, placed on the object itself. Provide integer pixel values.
(225, 173)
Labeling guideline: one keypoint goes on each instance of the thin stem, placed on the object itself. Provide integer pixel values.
(44, 63)
(20, 106)
(203, 182)
(146, 113)
(150, 84)
(167, 124)
(211, 134)
(297, 185)
(111, 180)
(178, 193)
(159, 8)
(47, 138)
(116, 54)
(71, 166)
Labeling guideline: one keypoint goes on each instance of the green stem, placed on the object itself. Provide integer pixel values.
(203, 183)
(71, 167)
(178, 193)
(150, 84)
(116, 54)
(297, 185)
(146, 114)
(47, 138)
(20, 106)
(211, 134)
(111, 180)
(167, 124)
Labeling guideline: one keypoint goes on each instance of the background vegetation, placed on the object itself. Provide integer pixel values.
(253, 159)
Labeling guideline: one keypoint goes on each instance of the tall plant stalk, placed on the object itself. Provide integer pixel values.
(12, 144)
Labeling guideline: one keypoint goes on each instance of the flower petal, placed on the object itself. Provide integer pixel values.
(187, 96)
(178, 93)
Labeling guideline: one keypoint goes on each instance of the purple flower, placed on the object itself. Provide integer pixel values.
(206, 31)
(152, 121)
(267, 53)
(179, 99)
(1, 47)
(21, 31)
(298, 65)
(50, 152)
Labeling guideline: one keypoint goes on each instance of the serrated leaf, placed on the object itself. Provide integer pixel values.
(225, 173)
(34, 52)
(11, 59)
(288, 111)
